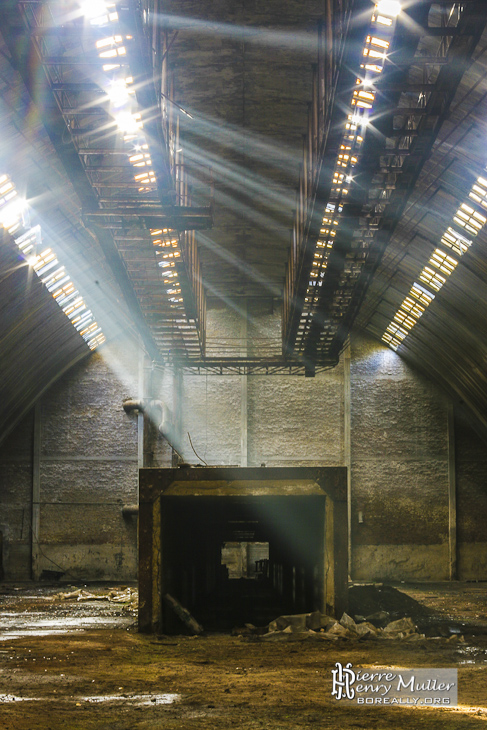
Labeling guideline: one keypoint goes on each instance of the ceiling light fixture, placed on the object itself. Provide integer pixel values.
(389, 7)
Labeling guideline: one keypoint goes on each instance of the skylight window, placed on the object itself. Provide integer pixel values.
(468, 218)
(52, 274)
(443, 262)
(458, 243)
(479, 192)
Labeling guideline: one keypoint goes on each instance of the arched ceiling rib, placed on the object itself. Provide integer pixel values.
(449, 341)
(37, 341)
(244, 72)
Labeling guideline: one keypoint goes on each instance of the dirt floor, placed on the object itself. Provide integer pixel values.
(73, 664)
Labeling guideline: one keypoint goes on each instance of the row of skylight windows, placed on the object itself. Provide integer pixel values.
(441, 264)
(112, 51)
(374, 54)
(46, 265)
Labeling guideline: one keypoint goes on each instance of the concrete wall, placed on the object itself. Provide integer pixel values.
(89, 451)
(399, 458)
(87, 468)
(16, 500)
(287, 421)
(471, 480)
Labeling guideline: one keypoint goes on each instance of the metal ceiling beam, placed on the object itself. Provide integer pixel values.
(14, 33)
(359, 245)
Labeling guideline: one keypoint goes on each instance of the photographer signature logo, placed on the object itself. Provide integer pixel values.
(387, 687)
(343, 678)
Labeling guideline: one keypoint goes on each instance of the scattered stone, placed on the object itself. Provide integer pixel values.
(366, 630)
(183, 614)
(401, 626)
(341, 631)
(379, 619)
(288, 635)
(279, 624)
(326, 621)
(320, 626)
(348, 622)
(299, 622)
(455, 638)
(313, 621)
(414, 637)
(368, 599)
(127, 596)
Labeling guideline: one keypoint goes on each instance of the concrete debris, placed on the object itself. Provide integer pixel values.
(366, 629)
(127, 596)
(399, 629)
(305, 625)
(348, 623)
(379, 618)
(183, 614)
(314, 621)
(376, 599)
(339, 630)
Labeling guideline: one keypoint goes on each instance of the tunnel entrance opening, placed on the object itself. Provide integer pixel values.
(249, 560)
(197, 533)
(240, 545)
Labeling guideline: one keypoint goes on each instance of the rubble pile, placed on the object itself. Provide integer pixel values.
(365, 599)
(126, 596)
(316, 625)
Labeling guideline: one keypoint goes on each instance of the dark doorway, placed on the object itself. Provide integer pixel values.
(2, 574)
(237, 560)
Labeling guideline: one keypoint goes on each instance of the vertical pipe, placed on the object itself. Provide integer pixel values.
(452, 495)
(243, 391)
(36, 493)
(347, 443)
(178, 412)
(140, 416)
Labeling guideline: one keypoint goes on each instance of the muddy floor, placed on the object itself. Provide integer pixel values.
(81, 664)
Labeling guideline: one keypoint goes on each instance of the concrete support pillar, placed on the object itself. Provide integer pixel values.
(140, 416)
(178, 413)
(36, 493)
(347, 443)
(243, 391)
(452, 496)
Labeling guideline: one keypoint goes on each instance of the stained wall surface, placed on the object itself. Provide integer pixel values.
(372, 412)
(399, 469)
(79, 450)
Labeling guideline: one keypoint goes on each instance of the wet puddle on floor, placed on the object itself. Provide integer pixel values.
(137, 700)
(16, 625)
(472, 655)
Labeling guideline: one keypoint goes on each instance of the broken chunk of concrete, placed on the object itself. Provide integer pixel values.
(366, 629)
(379, 619)
(313, 621)
(414, 637)
(341, 631)
(326, 621)
(402, 625)
(348, 622)
(183, 614)
(298, 621)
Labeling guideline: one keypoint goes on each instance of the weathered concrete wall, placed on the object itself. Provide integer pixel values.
(471, 481)
(399, 469)
(87, 470)
(16, 500)
(90, 450)
(289, 420)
